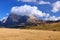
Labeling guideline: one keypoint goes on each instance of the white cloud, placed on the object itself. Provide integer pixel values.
(7, 14)
(38, 2)
(28, 10)
(27, 0)
(43, 2)
(56, 6)
(4, 19)
(53, 18)
(47, 15)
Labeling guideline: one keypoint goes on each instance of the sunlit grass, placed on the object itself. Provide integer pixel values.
(25, 34)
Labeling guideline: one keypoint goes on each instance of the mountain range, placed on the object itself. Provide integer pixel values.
(17, 21)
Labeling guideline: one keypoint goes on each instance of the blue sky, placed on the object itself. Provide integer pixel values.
(48, 8)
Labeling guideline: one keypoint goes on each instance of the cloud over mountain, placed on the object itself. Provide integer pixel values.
(28, 10)
(52, 18)
(5, 17)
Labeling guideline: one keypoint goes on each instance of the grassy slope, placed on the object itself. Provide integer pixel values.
(52, 26)
(24, 34)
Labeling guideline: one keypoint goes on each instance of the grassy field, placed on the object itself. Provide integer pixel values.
(25, 34)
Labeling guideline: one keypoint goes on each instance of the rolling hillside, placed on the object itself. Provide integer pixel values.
(46, 26)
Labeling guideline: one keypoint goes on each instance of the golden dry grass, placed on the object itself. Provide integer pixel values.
(25, 34)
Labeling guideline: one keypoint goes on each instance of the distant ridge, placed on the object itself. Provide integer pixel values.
(14, 20)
